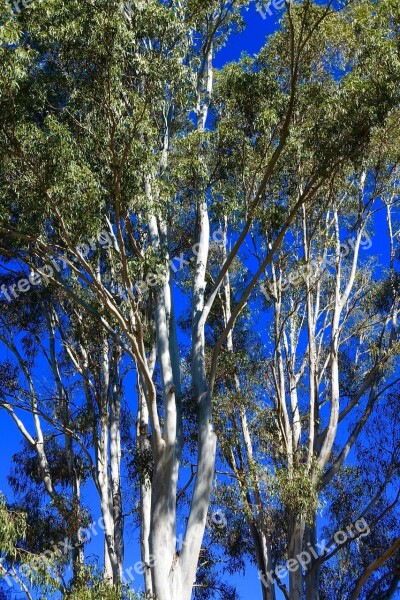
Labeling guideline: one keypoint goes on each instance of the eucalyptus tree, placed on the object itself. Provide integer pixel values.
(280, 400)
(98, 362)
(350, 360)
(369, 566)
(108, 168)
(264, 391)
(97, 106)
(31, 402)
(331, 350)
(67, 378)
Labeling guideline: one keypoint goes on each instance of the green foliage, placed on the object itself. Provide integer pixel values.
(297, 492)
(13, 526)
(91, 586)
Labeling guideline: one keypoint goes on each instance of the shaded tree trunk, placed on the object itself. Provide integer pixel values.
(144, 447)
(295, 545)
(312, 578)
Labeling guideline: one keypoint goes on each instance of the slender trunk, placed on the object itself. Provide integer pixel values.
(295, 545)
(312, 578)
(145, 452)
(77, 544)
(262, 546)
(201, 497)
(111, 568)
(264, 562)
(115, 463)
(312, 359)
(173, 574)
(74, 475)
(340, 302)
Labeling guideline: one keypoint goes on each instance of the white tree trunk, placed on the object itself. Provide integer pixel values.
(111, 568)
(115, 464)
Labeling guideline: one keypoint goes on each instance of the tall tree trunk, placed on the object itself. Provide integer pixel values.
(261, 546)
(77, 552)
(206, 436)
(111, 567)
(295, 545)
(146, 458)
(115, 464)
(173, 574)
(164, 483)
(145, 495)
(312, 578)
(264, 562)
(73, 472)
